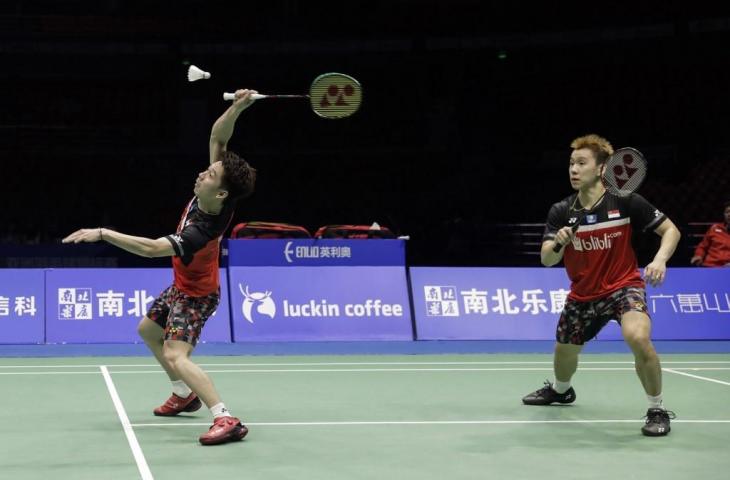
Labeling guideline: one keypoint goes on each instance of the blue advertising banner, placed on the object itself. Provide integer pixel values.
(313, 303)
(316, 253)
(525, 303)
(21, 306)
(105, 305)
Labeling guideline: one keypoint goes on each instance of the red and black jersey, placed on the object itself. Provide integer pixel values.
(197, 248)
(600, 259)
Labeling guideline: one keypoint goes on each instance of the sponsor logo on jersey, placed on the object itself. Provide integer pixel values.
(591, 218)
(614, 214)
(603, 242)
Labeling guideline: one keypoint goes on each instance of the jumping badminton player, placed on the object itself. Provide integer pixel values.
(172, 326)
(605, 280)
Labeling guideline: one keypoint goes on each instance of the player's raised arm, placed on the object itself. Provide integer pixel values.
(144, 247)
(223, 127)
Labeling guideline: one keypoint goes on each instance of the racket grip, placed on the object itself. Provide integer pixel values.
(574, 228)
(232, 96)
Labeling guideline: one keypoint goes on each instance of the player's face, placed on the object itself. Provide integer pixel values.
(727, 215)
(584, 171)
(208, 183)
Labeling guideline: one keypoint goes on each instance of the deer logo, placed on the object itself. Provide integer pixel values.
(262, 301)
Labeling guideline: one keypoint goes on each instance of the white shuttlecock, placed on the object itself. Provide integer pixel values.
(194, 73)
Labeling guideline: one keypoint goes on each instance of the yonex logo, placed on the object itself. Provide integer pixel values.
(264, 304)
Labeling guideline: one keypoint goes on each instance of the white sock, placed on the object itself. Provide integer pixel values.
(561, 387)
(656, 402)
(180, 389)
(219, 410)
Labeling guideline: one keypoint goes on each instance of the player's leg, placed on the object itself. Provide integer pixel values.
(152, 330)
(565, 361)
(570, 335)
(185, 324)
(153, 334)
(636, 330)
(177, 353)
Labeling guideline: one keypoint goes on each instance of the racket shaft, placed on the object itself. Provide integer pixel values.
(259, 96)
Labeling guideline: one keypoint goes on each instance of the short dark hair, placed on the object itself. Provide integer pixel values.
(239, 178)
(726, 204)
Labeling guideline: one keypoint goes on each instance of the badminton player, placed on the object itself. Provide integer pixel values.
(172, 326)
(605, 280)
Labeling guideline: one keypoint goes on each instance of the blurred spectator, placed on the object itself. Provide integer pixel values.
(714, 249)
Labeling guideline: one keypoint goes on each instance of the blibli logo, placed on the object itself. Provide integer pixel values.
(595, 243)
(262, 301)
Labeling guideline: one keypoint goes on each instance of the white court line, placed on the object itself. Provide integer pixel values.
(305, 364)
(144, 469)
(365, 370)
(420, 422)
(707, 379)
(50, 373)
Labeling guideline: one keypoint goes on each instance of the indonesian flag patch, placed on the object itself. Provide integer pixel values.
(614, 214)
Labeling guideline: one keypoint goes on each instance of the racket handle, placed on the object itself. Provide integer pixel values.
(232, 96)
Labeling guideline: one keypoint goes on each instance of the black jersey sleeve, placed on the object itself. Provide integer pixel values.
(643, 214)
(555, 220)
(190, 240)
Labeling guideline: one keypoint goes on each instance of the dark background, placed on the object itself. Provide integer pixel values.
(469, 109)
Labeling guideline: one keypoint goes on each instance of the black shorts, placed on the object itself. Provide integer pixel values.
(181, 315)
(581, 321)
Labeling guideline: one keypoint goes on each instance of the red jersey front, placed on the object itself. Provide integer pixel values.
(197, 248)
(601, 259)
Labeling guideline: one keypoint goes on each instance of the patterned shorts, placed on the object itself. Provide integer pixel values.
(581, 321)
(181, 315)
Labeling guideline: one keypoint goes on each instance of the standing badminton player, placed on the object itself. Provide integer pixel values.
(172, 326)
(605, 280)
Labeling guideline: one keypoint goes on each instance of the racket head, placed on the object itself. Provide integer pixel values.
(335, 95)
(625, 171)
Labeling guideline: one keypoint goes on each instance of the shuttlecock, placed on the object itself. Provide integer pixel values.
(194, 73)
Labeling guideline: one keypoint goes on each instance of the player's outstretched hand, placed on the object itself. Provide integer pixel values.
(84, 235)
(655, 272)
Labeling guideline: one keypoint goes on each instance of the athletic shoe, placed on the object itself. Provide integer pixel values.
(175, 405)
(546, 395)
(224, 429)
(657, 422)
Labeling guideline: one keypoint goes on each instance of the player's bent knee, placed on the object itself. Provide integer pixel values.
(639, 342)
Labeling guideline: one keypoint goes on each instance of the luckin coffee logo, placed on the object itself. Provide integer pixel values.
(261, 300)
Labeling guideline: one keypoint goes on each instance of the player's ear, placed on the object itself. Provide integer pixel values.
(222, 194)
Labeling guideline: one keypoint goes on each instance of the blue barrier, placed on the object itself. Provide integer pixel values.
(525, 303)
(283, 290)
(330, 302)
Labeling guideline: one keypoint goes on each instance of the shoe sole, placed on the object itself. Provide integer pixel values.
(548, 403)
(194, 406)
(656, 434)
(235, 435)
